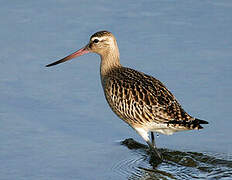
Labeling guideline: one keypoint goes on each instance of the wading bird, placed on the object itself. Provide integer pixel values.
(140, 100)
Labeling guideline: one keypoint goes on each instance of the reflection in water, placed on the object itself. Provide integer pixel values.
(176, 165)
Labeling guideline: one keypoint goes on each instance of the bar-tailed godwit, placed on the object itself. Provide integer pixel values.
(140, 100)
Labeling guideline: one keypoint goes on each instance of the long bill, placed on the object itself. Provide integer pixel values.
(71, 56)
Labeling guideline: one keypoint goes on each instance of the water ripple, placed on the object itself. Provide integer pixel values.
(176, 165)
(129, 167)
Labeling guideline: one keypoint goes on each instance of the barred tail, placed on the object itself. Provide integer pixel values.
(193, 124)
(197, 123)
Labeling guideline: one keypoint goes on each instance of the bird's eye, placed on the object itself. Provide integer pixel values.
(96, 40)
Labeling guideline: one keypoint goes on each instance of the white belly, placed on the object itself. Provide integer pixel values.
(163, 128)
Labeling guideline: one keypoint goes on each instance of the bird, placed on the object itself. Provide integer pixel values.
(140, 100)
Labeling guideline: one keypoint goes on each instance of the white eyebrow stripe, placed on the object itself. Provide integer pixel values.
(99, 38)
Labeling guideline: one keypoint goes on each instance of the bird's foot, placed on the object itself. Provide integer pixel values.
(155, 157)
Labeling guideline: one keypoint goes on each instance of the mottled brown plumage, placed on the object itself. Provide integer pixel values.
(139, 99)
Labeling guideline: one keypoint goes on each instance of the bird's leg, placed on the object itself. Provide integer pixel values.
(152, 139)
(152, 146)
(154, 150)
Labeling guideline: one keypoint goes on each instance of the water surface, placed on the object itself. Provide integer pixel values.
(55, 123)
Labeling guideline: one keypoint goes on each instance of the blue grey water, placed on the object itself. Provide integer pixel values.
(55, 123)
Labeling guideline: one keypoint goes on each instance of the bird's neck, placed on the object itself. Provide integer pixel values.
(109, 60)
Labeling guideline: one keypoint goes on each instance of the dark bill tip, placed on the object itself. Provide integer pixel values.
(55, 63)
